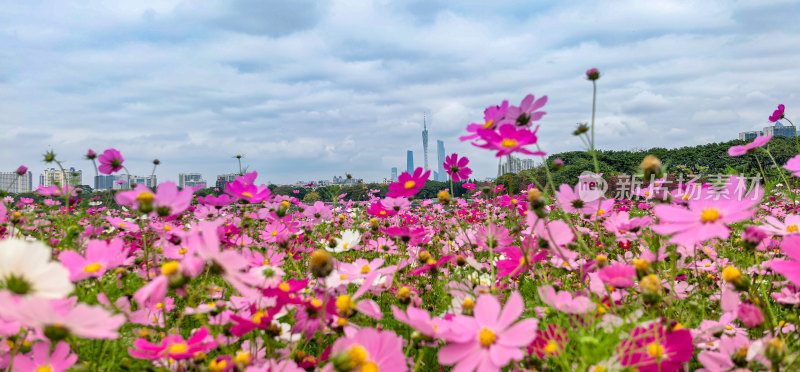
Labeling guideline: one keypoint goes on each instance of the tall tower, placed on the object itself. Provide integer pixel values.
(440, 155)
(410, 162)
(425, 140)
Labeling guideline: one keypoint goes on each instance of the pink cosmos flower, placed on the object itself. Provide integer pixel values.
(215, 201)
(422, 321)
(508, 140)
(526, 114)
(100, 257)
(793, 165)
(656, 349)
(80, 320)
(457, 168)
(243, 188)
(377, 209)
(708, 215)
(110, 161)
(576, 201)
(174, 346)
(490, 340)
(408, 185)
(777, 114)
(40, 359)
(169, 201)
(564, 302)
(740, 150)
(789, 268)
(618, 276)
(370, 350)
(493, 116)
(750, 315)
(723, 360)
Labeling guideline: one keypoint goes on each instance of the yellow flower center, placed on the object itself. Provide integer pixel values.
(551, 347)
(601, 212)
(468, 304)
(258, 315)
(792, 228)
(357, 355)
(242, 358)
(284, 287)
(121, 224)
(170, 268)
(182, 251)
(217, 366)
(709, 215)
(274, 233)
(731, 274)
(365, 269)
(345, 304)
(382, 213)
(488, 124)
(655, 350)
(93, 268)
(159, 305)
(44, 369)
(509, 143)
(178, 348)
(600, 369)
(145, 197)
(369, 367)
(167, 228)
(409, 184)
(486, 337)
(247, 194)
(345, 245)
(265, 262)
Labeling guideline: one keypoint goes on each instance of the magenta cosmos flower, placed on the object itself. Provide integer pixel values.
(708, 215)
(408, 185)
(777, 114)
(457, 168)
(655, 349)
(174, 346)
(22, 170)
(526, 114)
(368, 349)
(490, 340)
(243, 188)
(110, 161)
(740, 150)
(508, 140)
(492, 116)
(618, 276)
(578, 201)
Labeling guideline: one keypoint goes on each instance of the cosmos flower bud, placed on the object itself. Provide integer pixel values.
(642, 267)
(651, 165)
(651, 288)
(424, 256)
(775, 350)
(581, 129)
(156, 162)
(592, 74)
(602, 260)
(321, 263)
(557, 164)
(467, 306)
(91, 155)
(404, 295)
(22, 170)
(49, 157)
(444, 197)
(461, 261)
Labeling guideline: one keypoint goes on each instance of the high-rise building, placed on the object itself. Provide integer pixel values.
(514, 165)
(442, 176)
(190, 180)
(105, 182)
(425, 140)
(410, 161)
(52, 176)
(222, 179)
(776, 130)
(394, 174)
(13, 183)
(149, 181)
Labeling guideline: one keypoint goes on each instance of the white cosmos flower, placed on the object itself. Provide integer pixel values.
(26, 269)
(348, 240)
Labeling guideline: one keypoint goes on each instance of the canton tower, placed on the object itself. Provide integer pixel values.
(425, 140)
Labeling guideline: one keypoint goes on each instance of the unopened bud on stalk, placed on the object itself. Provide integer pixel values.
(651, 166)
(444, 197)
(775, 350)
(404, 295)
(651, 288)
(321, 263)
(734, 276)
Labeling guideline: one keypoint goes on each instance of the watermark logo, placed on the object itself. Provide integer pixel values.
(591, 186)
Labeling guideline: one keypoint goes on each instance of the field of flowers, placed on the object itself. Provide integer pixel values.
(556, 278)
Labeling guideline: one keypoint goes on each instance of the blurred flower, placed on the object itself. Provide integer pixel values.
(508, 140)
(26, 269)
(40, 359)
(174, 346)
(740, 150)
(777, 114)
(592, 74)
(110, 161)
(407, 184)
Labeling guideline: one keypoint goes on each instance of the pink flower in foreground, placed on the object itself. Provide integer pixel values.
(618, 276)
(750, 315)
(99, 258)
(493, 116)
(368, 349)
(793, 165)
(789, 268)
(174, 346)
(656, 349)
(457, 168)
(777, 114)
(740, 150)
(171, 202)
(110, 161)
(40, 359)
(57, 318)
(728, 356)
(508, 140)
(708, 214)
(577, 201)
(490, 340)
(408, 185)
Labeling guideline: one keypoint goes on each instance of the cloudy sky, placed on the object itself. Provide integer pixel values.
(311, 89)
